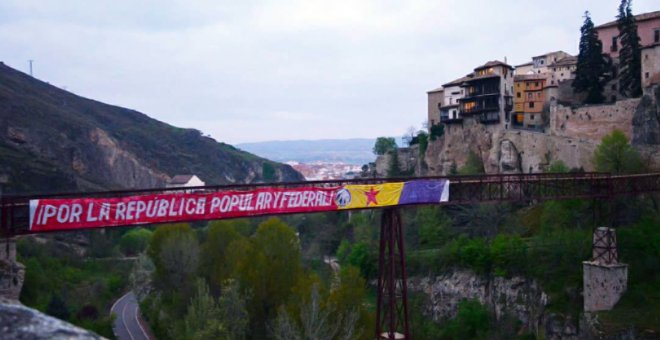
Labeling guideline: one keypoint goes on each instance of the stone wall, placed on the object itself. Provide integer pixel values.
(409, 162)
(592, 122)
(572, 135)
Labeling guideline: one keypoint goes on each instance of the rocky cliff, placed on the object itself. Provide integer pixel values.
(517, 297)
(53, 140)
(571, 135)
(20, 322)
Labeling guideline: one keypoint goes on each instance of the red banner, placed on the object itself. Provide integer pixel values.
(66, 214)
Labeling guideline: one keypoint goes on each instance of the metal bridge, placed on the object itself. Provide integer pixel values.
(392, 312)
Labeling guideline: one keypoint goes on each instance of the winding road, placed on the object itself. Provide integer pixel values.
(126, 326)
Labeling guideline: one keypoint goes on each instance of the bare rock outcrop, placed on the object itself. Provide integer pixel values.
(20, 322)
(518, 297)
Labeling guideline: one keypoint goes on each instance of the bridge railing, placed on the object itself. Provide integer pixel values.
(14, 210)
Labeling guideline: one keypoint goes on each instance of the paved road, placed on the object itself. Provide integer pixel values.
(126, 325)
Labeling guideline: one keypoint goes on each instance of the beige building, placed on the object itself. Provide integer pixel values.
(561, 70)
(524, 69)
(541, 62)
(435, 98)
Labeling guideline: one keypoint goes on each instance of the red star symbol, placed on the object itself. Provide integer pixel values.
(371, 196)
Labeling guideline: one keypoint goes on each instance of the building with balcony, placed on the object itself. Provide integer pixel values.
(529, 100)
(648, 29)
(488, 93)
(453, 92)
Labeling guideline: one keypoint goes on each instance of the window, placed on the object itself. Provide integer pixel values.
(542, 61)
(469, 106)
(614, 46)
(531, 116)
(656, 35)
(562, 75)
(552, 82)
(554, 69)
(529, 95)
(646, 56)
(646, 75)
(536, 84)
(531, 106)
(518, 95)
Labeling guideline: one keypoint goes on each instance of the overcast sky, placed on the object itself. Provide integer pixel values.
(246, 71)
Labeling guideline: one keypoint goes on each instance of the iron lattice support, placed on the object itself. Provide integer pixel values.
(392, 305)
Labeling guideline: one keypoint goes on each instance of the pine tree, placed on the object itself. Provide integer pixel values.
(630, 62)
(590, 65)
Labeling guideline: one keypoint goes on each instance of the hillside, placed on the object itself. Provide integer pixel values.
(53, 140)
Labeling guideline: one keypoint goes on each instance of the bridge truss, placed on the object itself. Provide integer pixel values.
(392, 312)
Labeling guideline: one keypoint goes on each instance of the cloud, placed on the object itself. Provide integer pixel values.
(249, 71)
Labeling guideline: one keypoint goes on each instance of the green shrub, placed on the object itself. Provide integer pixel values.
(472, 321)
(135, 241)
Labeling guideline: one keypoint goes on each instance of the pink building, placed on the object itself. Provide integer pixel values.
(648, 28)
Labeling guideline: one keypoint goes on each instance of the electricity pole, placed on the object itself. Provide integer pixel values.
(30, 61)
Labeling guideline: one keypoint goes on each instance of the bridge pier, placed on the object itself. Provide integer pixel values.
(604, 278)
(392, 304)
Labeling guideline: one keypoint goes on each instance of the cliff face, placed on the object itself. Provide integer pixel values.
(517, 297)
(53, 140)
(572, 135)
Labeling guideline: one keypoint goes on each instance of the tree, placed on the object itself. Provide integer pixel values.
(202, 319)
(471, 322)
(393, 167)
(630, 61)
(266, 266)
(233, 310)
(213, 265)
(615, 155)
(409, 136)
(178, 261)
(174, 250)
(384, 145)
(314, 321)
(135, 241)
(423, 140)
(591, 66)
(140, 277)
